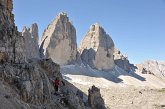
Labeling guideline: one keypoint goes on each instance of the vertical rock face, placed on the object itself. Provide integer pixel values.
(58, 41)
(11, 41)
(31, 41)
(121, 60)
(96, 48)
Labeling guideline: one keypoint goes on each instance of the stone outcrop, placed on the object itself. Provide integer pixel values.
(31, 79)
(32, 83)
(121, 60)
(95, 100)
(96, 48)
(31, 41)
(9, 99)
(11, 41)
(58, 41)
(156, 68)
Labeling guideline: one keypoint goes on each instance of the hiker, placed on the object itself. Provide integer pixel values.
(56, 83)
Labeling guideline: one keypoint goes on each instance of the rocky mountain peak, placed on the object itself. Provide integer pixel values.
(62, 14)
(31, 41)
(58, 41)
(95, 27)
(96, 48)
(62, 17)
(34, 31)
(96, 36)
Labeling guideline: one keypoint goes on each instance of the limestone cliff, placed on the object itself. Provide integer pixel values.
(58, 41)
(11, 41)
(31, 41)
(96, 48)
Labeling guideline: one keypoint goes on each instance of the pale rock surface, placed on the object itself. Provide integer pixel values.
(31, 41)
(121, 60)
(96, 48)
(156, 68)
(58, 41)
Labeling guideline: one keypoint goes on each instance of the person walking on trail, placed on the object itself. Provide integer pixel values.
(56, 83)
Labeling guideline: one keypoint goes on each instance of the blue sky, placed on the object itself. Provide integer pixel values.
(137, 27)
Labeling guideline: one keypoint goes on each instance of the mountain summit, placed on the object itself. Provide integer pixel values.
(58, 41)
(96, 48)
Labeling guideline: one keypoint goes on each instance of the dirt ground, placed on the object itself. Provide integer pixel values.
(130, 97)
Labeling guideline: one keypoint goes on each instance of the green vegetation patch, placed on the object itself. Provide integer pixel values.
(161, 90)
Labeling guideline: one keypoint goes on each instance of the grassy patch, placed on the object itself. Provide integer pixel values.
(161, 90)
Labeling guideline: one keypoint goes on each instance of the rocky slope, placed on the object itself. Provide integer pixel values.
(119, 89)
(156, 68)
(96, 48)
(31, 41)
(30, 84)
(58, 41)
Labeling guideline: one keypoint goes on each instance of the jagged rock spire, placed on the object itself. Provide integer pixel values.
(58, 41)
(31, 41)
(96, 48)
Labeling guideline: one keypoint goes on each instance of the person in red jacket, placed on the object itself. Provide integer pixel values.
(56, 84)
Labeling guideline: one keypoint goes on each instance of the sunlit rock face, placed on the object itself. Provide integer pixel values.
(96, 48)
(58, 41)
